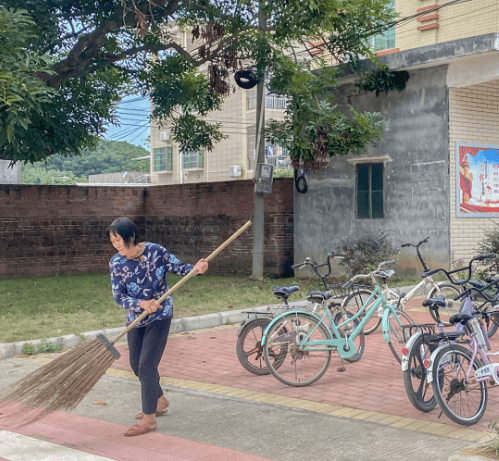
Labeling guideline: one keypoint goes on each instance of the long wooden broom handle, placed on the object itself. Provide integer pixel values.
(183, 280)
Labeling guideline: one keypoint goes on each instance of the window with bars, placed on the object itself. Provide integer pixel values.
(370, 191)
(163, 159)
(193, 160)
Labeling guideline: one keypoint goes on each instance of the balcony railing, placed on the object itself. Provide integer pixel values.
(279, 161)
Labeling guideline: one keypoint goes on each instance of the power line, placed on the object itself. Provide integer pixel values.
(389, 25)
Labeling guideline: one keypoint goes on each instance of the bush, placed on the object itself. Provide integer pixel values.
(48, 347)
(28, 349)
(490, 244)
(364, 253)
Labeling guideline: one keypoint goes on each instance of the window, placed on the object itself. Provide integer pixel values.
(163, 159)
(385, 40)
(193, 160)
(370, 190)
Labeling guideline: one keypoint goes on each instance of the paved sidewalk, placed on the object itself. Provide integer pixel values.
(219, 411)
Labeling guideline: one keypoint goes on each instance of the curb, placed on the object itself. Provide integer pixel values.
(179, 325)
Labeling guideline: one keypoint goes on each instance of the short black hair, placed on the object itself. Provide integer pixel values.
(126, 229)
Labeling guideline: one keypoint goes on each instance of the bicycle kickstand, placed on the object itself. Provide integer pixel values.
(342, 366)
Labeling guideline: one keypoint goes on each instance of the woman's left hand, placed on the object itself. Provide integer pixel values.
(201, 266)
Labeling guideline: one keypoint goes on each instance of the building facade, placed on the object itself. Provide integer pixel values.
(232, 158)
(433, 174)
(436, 171)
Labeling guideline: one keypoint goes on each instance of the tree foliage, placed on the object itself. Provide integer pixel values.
(108, 157)
(89, 54)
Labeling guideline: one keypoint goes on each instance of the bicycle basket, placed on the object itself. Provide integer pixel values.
(337, 290)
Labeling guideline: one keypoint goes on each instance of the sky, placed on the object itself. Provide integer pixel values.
(133, 112)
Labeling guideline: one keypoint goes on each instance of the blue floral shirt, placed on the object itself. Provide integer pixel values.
(144, 278)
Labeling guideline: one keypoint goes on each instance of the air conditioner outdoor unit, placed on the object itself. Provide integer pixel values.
(164, 135)
(235, 171)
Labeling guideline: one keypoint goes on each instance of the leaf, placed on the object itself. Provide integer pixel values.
(100, 402)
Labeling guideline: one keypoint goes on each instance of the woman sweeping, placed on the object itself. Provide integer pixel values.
(138, 279)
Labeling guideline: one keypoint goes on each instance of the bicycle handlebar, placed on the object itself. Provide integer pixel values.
(374, 273)
(315, 267)
(415, 246)
(448, 274)
(481, 291)
(425, 267)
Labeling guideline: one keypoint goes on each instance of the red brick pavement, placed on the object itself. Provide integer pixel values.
(375, 383)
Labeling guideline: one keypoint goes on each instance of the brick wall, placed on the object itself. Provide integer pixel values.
(46, 230)
(474, 118)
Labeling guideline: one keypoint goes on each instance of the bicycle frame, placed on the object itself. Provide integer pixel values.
(338, 343)
(391, 296)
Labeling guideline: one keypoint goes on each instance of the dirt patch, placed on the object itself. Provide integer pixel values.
(485, 451)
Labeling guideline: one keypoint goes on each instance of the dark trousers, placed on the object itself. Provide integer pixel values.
(146, 346)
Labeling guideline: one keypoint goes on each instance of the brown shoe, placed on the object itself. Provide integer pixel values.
(139, 429)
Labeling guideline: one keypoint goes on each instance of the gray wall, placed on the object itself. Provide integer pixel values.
(416, 179)
(119, 178)
(10, 175)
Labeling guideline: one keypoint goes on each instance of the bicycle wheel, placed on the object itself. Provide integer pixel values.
(298, 367)
(249, 346)
(450, 292)
(490, 317)
(417, 387)
(491, 322)
(462, 401)
(355, 301)
(359, 340)
(398, 337)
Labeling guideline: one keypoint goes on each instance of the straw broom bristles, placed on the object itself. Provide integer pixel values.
(60, 384)
(64, 382)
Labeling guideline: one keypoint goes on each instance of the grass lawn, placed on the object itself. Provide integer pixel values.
(44, 307)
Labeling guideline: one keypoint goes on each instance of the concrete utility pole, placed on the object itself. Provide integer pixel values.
(259, 208)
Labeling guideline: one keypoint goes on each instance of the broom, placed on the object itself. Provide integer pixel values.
(64, 382)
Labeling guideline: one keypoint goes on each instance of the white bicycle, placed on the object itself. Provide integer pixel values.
(357, 299)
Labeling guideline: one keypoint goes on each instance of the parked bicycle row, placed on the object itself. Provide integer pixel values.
(296, 345)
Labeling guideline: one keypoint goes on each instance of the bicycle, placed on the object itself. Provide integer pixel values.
(309, 340)
(436, 288)
(248, 346)
(356, 300)
(424, 339)
(461, 395)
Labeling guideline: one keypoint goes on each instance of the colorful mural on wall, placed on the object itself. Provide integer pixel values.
(477, 180)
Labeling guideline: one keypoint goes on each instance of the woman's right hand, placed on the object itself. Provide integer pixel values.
(150, 306)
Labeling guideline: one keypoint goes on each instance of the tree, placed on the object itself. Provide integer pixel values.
(108, 157)
(101, 51)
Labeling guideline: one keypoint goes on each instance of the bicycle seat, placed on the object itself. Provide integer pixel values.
(284, 292)
(445, 335)
(322, 295)
(463, 319)
(386, 274)
(437, 301)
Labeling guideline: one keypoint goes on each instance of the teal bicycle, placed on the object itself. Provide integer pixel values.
(306, 340)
